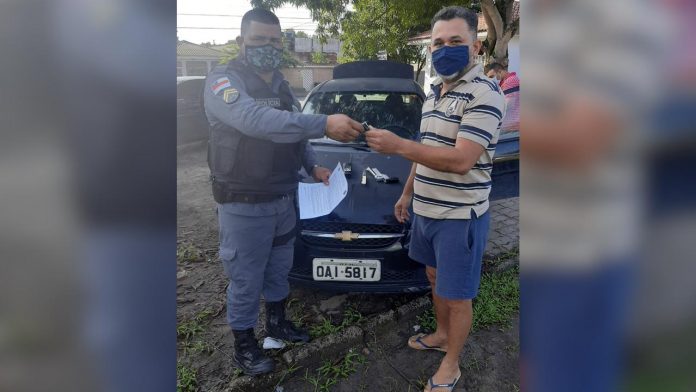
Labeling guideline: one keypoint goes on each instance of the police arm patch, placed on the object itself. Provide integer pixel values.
(230, 95)
(220, 84)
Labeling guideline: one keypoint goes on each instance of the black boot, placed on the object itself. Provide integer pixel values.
(247, 354)
(279, 328)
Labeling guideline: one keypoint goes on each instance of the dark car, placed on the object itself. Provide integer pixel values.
(191, 124)
(360, 246)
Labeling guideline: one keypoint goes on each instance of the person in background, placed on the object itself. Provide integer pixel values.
(510, 84)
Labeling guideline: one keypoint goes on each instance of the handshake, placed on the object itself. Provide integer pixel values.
(344, 129)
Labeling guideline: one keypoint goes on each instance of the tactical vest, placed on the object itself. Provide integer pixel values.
(243, 165)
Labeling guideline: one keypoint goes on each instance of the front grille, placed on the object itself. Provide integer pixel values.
(337, 227)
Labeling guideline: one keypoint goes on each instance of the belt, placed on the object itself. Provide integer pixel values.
(253, 199)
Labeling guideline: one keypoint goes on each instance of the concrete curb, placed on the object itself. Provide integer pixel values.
(330, 347)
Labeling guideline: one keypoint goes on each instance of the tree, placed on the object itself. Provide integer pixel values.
(376, 25)
(502, 26)
(301, 34)
(230, 51)
(319, 58)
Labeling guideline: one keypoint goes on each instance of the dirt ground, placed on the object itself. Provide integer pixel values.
(381, 362)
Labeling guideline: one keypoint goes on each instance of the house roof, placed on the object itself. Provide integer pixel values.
(185, 48)
(482, 26)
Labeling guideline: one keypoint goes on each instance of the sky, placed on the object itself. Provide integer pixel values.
(227, 16)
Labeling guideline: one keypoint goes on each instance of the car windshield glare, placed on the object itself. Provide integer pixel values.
(396, 112)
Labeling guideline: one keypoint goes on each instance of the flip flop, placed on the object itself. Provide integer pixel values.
(419, 344)
(450, 387)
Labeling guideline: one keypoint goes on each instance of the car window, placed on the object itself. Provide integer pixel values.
(506, 135)
(397, 112)
(190, 89)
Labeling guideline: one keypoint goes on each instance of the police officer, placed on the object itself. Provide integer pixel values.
(258, 143)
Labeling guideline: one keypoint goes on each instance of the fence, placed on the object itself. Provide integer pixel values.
(306, 77)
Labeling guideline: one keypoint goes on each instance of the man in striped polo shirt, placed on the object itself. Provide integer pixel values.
(449, 183)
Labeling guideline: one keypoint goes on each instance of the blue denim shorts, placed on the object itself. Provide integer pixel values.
(454, 247)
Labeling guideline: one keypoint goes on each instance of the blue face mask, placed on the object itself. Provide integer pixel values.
(448, 60)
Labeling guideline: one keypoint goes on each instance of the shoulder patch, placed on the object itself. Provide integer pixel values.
(230, 95)
(220, 84)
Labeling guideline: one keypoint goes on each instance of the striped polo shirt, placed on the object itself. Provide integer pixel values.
(473, 109)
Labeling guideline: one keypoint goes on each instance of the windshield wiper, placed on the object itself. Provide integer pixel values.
(357, 146)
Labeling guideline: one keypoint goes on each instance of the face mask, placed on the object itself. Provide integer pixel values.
(449, 60)
(265, 58)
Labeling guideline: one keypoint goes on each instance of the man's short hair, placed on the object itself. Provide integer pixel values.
(454, 11)
(495, 67)
(258, 15)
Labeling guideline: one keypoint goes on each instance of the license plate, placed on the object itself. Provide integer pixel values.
(346, 270)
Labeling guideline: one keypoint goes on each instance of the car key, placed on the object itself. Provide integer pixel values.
(347, 169)
(365, 125)
(380, 177)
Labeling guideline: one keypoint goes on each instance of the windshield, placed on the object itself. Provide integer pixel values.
(397, 112)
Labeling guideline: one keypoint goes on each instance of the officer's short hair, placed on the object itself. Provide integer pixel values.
(258, 15)
(495, 67)
(454, 11)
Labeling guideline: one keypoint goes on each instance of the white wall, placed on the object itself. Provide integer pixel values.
(514, 55)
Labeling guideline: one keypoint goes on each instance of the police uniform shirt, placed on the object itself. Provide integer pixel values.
(227, 102)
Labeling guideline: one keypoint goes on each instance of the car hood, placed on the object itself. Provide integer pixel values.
(372, 203)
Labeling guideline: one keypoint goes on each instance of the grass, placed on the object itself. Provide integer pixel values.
(290, 370)
(187, 253)
(186, 380)
(350, 317)
(196, 347)
(330, 373)
(189, 329)
(497, 302)
(427, 320)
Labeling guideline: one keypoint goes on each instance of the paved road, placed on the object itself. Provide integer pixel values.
(504, 232)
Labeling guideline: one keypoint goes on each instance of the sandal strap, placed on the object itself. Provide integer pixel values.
(450, 386)
(420, 341)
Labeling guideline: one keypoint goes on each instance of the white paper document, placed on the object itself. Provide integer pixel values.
(319, 199)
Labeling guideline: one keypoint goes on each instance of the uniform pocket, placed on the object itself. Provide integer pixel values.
(228, 254)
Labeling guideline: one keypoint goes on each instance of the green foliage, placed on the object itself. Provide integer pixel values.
(331, 372)
(289, 60)
(498, 299)
(186, 380)
(427, 320)
(376, 25)
(497, 302)
(319, 58)
(192, 327)
(327, 327)
(230, 51)
(186, 253)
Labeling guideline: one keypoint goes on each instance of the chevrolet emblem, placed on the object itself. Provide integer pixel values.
(346, 235)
